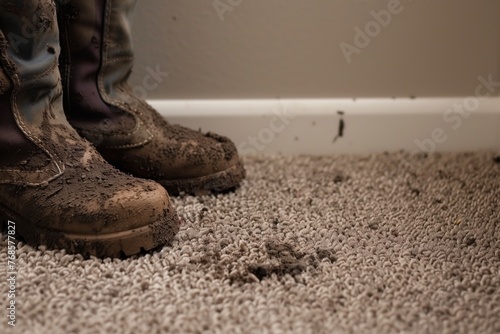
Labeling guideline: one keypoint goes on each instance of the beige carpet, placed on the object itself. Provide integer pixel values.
(374, 244)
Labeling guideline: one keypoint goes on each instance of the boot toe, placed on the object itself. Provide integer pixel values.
(203, 154)
(206, 163)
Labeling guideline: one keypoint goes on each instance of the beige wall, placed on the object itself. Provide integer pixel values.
(291, 48)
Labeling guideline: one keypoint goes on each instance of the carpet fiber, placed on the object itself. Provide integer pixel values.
(382, 243)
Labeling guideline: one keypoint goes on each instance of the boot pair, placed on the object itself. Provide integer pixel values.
(66, 78)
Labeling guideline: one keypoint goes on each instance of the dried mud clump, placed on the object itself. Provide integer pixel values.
(284, 260)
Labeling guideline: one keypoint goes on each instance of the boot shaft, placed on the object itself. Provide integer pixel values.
(30, 55)
(96, 62)
(30, 92)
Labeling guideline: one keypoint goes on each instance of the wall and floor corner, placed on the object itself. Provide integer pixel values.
(324, 77)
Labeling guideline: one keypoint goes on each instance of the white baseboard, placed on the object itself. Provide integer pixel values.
(310, 126)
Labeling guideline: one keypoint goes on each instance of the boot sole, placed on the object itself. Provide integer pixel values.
(115, 245)
(220, 182)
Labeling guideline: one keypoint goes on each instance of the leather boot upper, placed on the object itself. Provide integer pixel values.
(96, 62)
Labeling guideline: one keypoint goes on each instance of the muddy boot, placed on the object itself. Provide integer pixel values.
(95, 64)
(54, 186)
